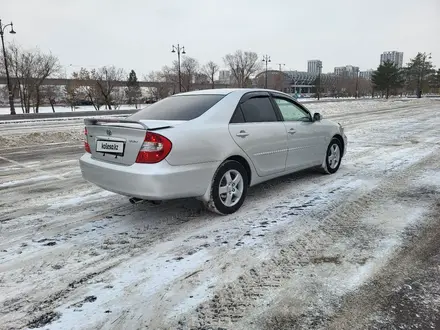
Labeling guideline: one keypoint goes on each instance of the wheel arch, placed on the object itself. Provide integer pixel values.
(238, 158)
(245, 164)
(341, 140)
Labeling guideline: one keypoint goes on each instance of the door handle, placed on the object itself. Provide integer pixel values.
(291, 131)
(242, 134)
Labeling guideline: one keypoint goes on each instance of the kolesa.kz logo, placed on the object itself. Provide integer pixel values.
(110, 146)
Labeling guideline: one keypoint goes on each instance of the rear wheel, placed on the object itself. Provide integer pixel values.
(333, 157)
(229, 188)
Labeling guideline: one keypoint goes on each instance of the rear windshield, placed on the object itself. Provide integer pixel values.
(179, 107)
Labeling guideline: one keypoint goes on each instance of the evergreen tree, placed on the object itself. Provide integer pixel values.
(434, 81)
(418, 71)
(387, 77)
(133, 90)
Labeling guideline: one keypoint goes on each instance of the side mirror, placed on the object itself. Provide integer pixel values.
(316, 116)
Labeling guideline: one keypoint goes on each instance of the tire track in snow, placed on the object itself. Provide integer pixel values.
(232, 303)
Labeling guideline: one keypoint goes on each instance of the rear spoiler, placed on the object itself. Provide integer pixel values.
(96, 121)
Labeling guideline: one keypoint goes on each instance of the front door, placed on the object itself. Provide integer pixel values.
(302, 141)
(258, 131)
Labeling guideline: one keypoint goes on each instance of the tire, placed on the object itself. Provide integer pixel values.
(334, 149)
(235, 193)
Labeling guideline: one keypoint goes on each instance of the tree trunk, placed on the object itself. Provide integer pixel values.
(38, 99)
(387, 93)
(93, 103)
(52, 103)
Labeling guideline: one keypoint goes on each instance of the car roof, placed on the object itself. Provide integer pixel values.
(225, 91)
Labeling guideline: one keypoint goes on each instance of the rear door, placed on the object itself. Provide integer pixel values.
(257, 128)
(303, 139)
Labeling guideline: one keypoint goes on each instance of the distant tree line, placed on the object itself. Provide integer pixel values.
(30, 68)
(416, 78)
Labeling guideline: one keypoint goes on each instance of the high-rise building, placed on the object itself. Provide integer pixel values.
(393, 56)
(348, 70)
(314, 66)
(366, 74)
(224, 76)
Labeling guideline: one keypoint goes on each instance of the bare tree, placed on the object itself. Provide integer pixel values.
(189, 68)
(210, 69)
(50, 94)
(242, 65)
(31, 68)
(106, 81)
(162, 88)
(170, 76)
(72, 93)
(118, 97)
(86, 88)
(46, 66)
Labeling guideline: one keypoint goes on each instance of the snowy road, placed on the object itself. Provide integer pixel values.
(306, 251)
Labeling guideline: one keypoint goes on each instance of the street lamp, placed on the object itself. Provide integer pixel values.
(281, 75)
(319, 79)
(180, 50)
(10, 95)
(266, 58)
(357, 83)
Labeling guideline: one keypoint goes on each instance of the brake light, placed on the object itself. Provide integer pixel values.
(154, 149)
(86, 144)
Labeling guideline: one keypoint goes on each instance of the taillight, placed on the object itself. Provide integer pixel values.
(154, 149)
(86, 144)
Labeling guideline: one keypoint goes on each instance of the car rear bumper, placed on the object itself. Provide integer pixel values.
(149, 181)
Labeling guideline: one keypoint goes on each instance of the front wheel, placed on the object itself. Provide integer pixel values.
(333, 157)
(229, 188)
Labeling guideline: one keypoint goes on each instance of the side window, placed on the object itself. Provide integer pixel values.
(258, 109)
(290, 111)
(237, 117)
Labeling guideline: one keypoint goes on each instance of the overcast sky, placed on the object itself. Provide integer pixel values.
(138, 34)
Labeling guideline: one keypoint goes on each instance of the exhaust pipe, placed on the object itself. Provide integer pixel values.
(135, 200)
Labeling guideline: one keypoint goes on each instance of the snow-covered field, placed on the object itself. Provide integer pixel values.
(4, 110)
(306, 251)
(48, 109)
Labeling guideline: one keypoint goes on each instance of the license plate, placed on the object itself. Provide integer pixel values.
(110, 147)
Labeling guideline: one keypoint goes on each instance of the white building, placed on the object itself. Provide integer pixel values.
(314, 66)
(393, 56)
(224, 76)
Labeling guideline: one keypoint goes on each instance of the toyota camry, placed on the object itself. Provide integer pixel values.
(210, 144)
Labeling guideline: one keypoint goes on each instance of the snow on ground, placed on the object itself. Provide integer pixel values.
(43, 131)
(48, 109)
(75, 257)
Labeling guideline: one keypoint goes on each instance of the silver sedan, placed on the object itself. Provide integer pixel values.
(209, 144)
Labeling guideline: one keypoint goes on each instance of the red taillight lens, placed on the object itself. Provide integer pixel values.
(154, 149)
(86, 144)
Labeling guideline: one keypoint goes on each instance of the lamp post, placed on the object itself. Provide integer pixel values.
(10, 95)
(179, 50)
(280, 65)
(319, 80)
(357, 83)
(266, 58)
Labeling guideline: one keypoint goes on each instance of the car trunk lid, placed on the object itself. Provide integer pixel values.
(120, 140)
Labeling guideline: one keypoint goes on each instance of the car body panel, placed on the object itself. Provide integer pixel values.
(200, 145)
(149, 181)
(303, 144)
(265, 145)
